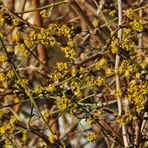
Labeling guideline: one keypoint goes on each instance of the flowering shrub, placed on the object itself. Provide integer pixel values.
(68, 82)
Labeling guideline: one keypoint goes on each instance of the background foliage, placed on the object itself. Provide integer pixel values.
(73, 73)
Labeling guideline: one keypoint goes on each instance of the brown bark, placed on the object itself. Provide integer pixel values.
(38, 21)
(42, 56)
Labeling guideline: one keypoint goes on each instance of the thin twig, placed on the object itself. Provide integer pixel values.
(117, 63)
(21, 19)
(43, 7)
(115, 19)
(23, 6)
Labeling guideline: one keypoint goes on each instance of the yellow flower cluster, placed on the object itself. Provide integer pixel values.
(4, 80)
(46, 114)
(41, 142)
(12, 120)
(101, 63)
(17, 99)
(128, 116)
(56, 75)
(23, 49)
(17, 36)
(67, 30)
(90, 81)
(112, 13)
(126, 68)
(75, 87)
(54, 27)
(3, 58)
(136, 95)
(3, 36)
(137, 25)
(114, 45)
(108, 72)
(90, 121)
(127, 44)
(130, 13)
(69, 52)
(119, 93)
(51, 88)
(8, 127)
(24, 135)
(29, 42)
(23, 82)
(121, 119)
(44, 37)
(62, 66)
(99, 81)
(49, 37)
(83, 71)
(2, 18)
(69, 49)
(52, 138)
(63, 102)
(6, 18)
(44, 13)
(15, 22)
(38, 89)
(95, 22)
(10, 74)
(74, 72)
(91, 137)
(126, 32)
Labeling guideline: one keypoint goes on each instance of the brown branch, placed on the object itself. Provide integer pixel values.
(38, 22)
(118, 87)
(42, 56)
(23, 6)
(109, 128)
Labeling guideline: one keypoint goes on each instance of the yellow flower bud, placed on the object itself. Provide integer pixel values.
(52, 138)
